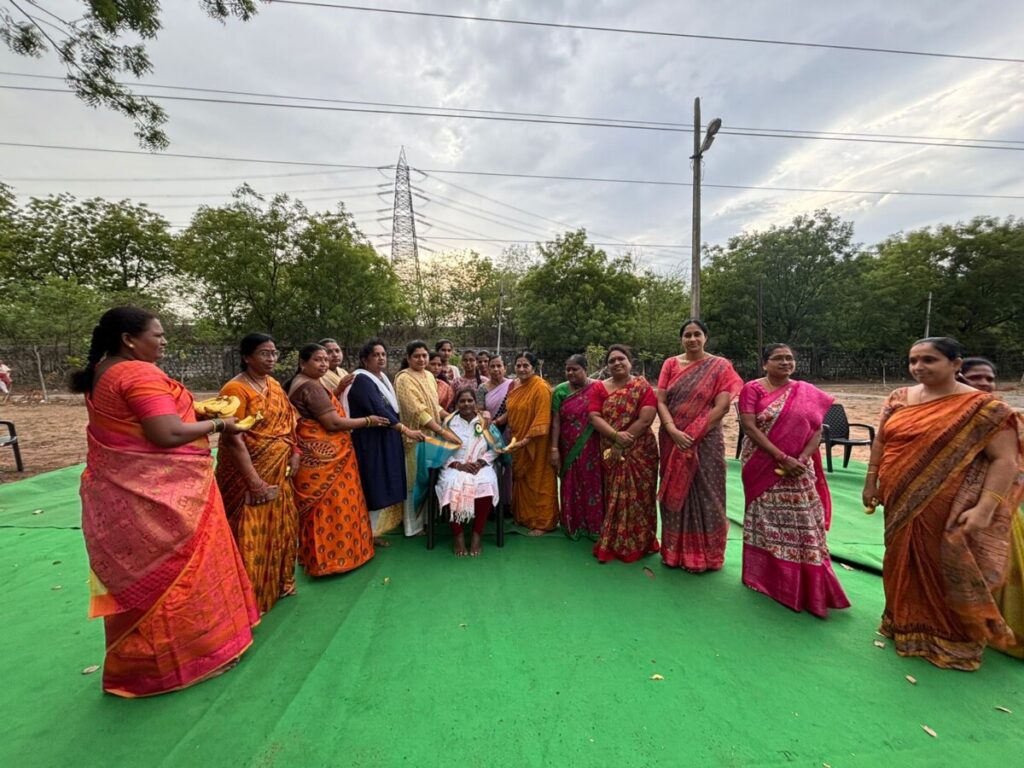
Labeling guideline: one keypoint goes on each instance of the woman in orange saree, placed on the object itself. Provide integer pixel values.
(335, 534)
(165, 574)
(694, 392)
(943, 466)
(253, 471)
(622, 410)
(534, 485)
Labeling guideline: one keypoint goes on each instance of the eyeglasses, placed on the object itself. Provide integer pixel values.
(267, 355)
(782, 359)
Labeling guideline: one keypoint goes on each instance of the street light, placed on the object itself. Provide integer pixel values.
(699, 148)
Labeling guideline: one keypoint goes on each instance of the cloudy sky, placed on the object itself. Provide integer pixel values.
(324, 53)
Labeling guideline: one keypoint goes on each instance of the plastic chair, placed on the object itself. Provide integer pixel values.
(11, 441)
(433, 511)
(739, 425)
(836, 431)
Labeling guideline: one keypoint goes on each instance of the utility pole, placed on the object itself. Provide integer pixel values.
(928, 317)
(699, 148)
(501, 301)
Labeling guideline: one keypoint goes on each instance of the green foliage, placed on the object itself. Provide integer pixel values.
(663, 303)
(51, 311)
(272, 266)
(802, 272)
(93, 51)
(576, 296)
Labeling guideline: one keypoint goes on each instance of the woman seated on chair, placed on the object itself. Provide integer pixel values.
(468, 485)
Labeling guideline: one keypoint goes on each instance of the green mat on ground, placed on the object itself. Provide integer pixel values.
(49, 500)
(854, 537)
(532, 655)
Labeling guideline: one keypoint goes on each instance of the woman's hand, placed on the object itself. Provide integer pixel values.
(555, 459)
(264, 496)
(293, 465)
(977, 518)
(343, 383)
(792, 466)
(624, 439)
(413, 435)
(378, 421)
(681, 440)
(869, 496)
(229, 425)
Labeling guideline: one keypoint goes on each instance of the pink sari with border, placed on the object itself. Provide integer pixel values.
(785, 554)
(165, 573)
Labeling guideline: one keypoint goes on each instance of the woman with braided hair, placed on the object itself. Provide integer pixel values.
(166, 575)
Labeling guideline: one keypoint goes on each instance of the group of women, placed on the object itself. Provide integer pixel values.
(185, 558)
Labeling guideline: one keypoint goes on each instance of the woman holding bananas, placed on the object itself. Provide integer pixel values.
(788, 506)
(334, 524)
(253, 470)
(165, 574)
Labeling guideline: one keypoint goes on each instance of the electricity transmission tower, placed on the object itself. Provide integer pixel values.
(404, 252)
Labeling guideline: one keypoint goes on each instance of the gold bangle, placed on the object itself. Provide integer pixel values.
(1000, 499)
(872, 466)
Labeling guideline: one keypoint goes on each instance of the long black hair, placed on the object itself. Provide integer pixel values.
(106, 340)
(947, 346)
(305, 354)
(367, 350)
(411, 347)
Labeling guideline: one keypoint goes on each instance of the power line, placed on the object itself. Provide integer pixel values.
(651, 32)
(530, 242)
(777, 134)
(576, 119)
(131, 179)
(511, 175)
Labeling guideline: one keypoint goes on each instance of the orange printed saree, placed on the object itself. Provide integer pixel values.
(534, 485)
(165, 574)
(267, 534)
(938, 582)
(334, 523)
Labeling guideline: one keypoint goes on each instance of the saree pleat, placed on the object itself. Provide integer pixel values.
(938, 582)
(267, 534)
(165, 574)
(582, 491)
(629, 529)
(694, 527)
(534, 484)
(334, 524)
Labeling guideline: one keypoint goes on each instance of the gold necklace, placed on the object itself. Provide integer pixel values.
(255, 385)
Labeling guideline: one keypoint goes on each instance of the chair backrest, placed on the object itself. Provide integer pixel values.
(838, 424)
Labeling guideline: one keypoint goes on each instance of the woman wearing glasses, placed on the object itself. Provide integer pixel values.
(253, 469)
(788, 507)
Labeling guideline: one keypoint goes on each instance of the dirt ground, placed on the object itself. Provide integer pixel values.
(52, 434)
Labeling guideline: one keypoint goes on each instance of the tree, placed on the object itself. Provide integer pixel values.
(92, 50)
(577, 296)
(662, 305)
(800, 268)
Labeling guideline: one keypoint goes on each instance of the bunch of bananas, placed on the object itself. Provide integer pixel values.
(221, 406)
(249, 421)
(507, 448)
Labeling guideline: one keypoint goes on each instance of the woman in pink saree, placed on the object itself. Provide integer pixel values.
(165, 573)
(788, 506)
(576, 453)
(694, 393)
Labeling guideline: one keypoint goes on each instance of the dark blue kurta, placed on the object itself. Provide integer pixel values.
(379, 451)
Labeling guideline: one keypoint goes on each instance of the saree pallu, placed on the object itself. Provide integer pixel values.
(534, 485)
(938, 582)
(334, 524)
(630, 526)
(267, 534)
(694, 528)
(582, 491)
(417, 405)
(785, 555)
(165, 574)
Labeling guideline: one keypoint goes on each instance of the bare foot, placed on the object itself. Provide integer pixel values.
(381, 542)
(535, 532)
(289, 590)
(459, 547)
(475, 545)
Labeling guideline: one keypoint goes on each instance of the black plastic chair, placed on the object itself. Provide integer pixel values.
(836, 431)
(433, 511)
(739, 426)
(11, 441)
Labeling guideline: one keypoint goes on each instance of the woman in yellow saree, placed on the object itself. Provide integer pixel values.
(418, 409)
(944, 466)
(165, 574)
(253, 470)
(534, 485)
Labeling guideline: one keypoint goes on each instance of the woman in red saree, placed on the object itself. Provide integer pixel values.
(944, 466)
(784, 551)
(165, 574)
(335, 534)
(534, 485)
(622, 410)
(694, 392)
(253, 471)
(576, 452)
